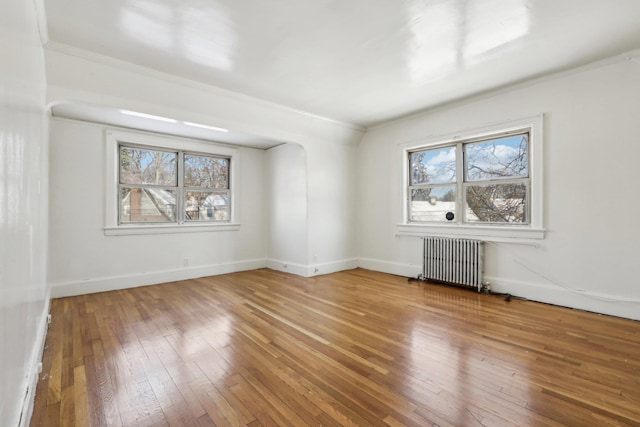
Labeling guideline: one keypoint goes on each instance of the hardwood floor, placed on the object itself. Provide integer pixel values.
(352, 348)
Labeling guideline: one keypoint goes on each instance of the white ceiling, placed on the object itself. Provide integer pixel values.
(357, 61)
(166, 125)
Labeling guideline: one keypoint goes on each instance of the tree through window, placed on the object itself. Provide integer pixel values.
(161, 186)
(472, 181)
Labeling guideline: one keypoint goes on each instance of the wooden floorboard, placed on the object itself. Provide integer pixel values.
(355, 348)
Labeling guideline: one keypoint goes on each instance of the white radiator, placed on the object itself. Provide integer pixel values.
(454, 261)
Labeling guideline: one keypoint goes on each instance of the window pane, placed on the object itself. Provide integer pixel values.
(207, 206)
(202, 171)
(497, 203)
(432, 203)
(152, 167)
(147, 205)
(498, 158)
(436, 166)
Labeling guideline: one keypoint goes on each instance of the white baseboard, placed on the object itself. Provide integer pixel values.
(33, 376)
(312, 270)
(333, 267)
(103, 284)
(399, 269)
(288, 267)
(596, 302)
(590, 301)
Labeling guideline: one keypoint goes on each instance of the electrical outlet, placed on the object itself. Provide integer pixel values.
(185, 262)
(48, 319)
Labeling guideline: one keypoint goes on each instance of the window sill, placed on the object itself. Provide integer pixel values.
(128, 230)
(485, 233)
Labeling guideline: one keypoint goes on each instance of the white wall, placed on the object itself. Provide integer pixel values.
(312, 213)
(332, 207)
(82, 259)
(585, 261)
(81, 77)
(23, 208)
(286, 178)
(588, 259)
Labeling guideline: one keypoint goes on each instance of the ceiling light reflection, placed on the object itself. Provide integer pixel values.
(203, 34)
(207, 36)
(493, 24)
(168, 120)
(434, 34)
(147, 21)
(198, 125)
(148, 116)
(452, 34)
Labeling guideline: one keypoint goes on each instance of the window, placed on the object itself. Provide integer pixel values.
(493, 184)
(496, 180)
(488, 180)
(164, 185)
(172, 186)
(206, 188)
(148, 188)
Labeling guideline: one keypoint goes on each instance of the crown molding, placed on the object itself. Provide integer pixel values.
(110, 61)
(41, 16)
(633, 55)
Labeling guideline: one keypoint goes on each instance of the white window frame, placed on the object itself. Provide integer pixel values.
(115, 138)
(534, 230)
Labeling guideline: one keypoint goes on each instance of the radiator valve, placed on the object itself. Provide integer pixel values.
(486, 287)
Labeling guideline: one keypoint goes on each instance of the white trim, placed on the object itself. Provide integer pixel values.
(505, 234)
(396, 268)
(114, 137)
(134, 230)
(103, 284)
(288, 267)
(33, 377)
(534, 230)
(43, 27)
(312, 270)
(333, 266)
(596, 302)
(633, 55)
